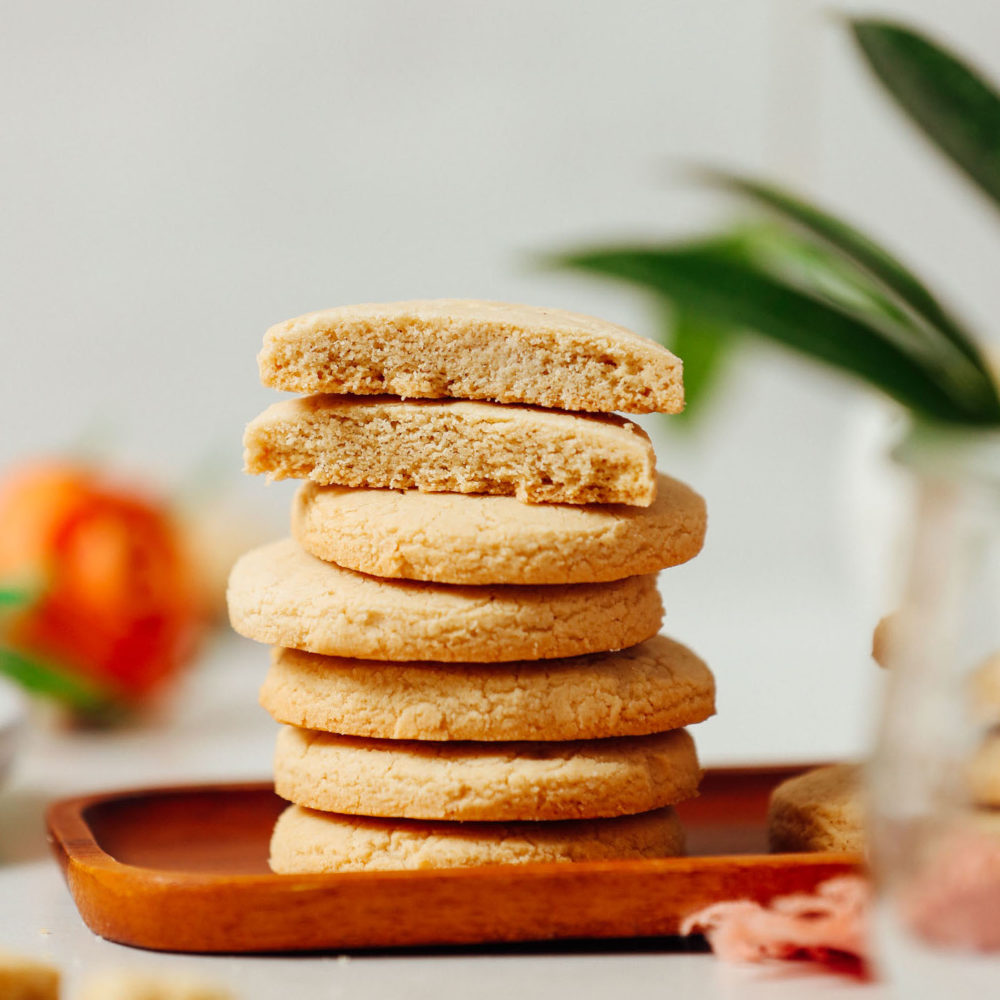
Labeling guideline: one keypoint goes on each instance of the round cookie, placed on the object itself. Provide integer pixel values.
(307, 842)
(582, 779)
(280, 595)
(649, 688)
(480, 539)
(820, 810)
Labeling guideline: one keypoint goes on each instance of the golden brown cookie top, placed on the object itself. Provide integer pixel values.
(283, 596)
(414, 779)
(649, 688)
(481, 539)
(306, 841)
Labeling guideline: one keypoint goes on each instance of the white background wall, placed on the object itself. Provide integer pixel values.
(176, 177)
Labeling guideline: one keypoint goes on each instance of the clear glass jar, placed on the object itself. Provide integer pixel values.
(934, 779)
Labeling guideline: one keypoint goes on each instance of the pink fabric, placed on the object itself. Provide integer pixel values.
(956, 903)
(828, 926)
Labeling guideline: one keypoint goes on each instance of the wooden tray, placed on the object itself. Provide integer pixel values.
(185, 869)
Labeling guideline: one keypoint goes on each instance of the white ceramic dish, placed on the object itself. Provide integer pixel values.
(13, 714)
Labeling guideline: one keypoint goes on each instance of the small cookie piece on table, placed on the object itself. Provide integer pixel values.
(283, 596)
(129, 985)
(307, 842)
(23, 978)
(409, 779)
(820, 810)
(482, 539)
(649, 688)
(541, 456)
(470, 349)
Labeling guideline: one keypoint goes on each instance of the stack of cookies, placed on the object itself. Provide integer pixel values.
(466, 659)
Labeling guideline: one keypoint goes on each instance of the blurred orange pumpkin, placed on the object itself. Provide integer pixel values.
(112, 592)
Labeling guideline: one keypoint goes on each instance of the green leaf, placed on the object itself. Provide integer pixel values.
(954, 105)
(813, 267)
(730, 291)
(12, 597)
(703, 347)
(52, 682)
(890, 274)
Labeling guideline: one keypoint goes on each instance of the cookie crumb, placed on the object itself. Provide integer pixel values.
(23, 978)
(120, 985)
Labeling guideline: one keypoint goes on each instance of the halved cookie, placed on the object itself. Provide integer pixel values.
(454, 447)
(469, 349)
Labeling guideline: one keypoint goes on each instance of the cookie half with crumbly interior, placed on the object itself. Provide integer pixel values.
(649, 688)
(412, 779)
(309, 842)
(470, 349)
(283, 596)
(541, 456)
(476, 539)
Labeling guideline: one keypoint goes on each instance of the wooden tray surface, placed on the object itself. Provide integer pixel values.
(185, 869)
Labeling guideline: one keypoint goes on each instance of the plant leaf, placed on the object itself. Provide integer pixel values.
(52, 682)
(15, 597)
(875, 262)
(703, 347)
(810, 265)
(730, 291)
(954, 105)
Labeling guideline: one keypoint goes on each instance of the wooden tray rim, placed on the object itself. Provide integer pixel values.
(211, 910)
(69, 831)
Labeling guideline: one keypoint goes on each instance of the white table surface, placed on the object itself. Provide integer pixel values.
(215, 731)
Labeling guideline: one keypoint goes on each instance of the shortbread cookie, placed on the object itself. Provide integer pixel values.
(127, 984)
(454, 447)
(580, 779)
(984, 771)
(466, 349)
(462, 538)
(283, 596)
(820, 810)
(23, 978)
(885, 634)
(984, 692)
(649, 688)
(305, 841)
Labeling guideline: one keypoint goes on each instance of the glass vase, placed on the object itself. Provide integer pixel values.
(934, 779)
